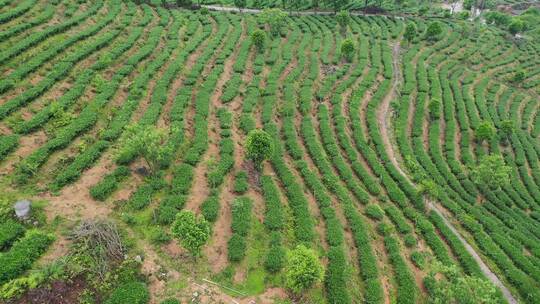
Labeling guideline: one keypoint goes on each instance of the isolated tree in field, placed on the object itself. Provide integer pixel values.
(506, 130)
(434, 109)
(518, 76)
(343, 19)
(347, 49)
(433, 31)
(259, 146)
(516, 26)
(275, 18)
(258, 39)
(240, 4)
(449, 286)
(410, 32)
(147, 142)
(491, 171)
(303, 269)
(192, 231)
(485, 131)
(430, 189)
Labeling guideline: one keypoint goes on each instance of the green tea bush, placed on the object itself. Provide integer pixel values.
(236, 248)
(169, 206)
(8, 143)
(241, 183)
(10, 230)
(22, 254)
(109, 183)
(132, 292)
(210, 208)
(374, 211)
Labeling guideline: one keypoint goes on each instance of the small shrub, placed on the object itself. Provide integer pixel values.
(159, 236)
(418, 259)
(347, 49)
(258, 39)
(236, 248)
(210, 208)
(374, 211)
(434, 31)
(384, 229)
(410, 240)
(241, 184)
(132, 292)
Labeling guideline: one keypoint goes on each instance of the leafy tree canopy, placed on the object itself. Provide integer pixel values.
(343, 18)
(410, 32)
(452, 288)
(347, 49)
(258, 38)
(192, 231)
(259, 146)
(491, 171)
(434, 30)
(275, 18)
(148, 142)
(485, 131)
(303, 269)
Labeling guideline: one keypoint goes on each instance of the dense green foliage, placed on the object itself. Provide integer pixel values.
(192, 231)
(133, 292)
(303, 269)
(23, 253)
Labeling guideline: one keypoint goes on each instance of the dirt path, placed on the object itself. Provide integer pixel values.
(383, 112)
(383, 118)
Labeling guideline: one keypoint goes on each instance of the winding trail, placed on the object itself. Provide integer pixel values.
(384, 116)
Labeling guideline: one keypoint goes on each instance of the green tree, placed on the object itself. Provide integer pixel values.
(429, 188)
(347, 49)
(506, 130)
(303, 269)
(518, 76)
(343, 19)
(259, 146)
(516, 26)
(434, 109)
(485, 131)
(258, 39)
(410, 32)
(240, 4)
(275, 18)
(491, 171)
(147, 142)
(433, 31)
(449, 287)
(192, 231)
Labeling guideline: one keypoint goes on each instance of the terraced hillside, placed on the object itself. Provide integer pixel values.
(378, 160)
